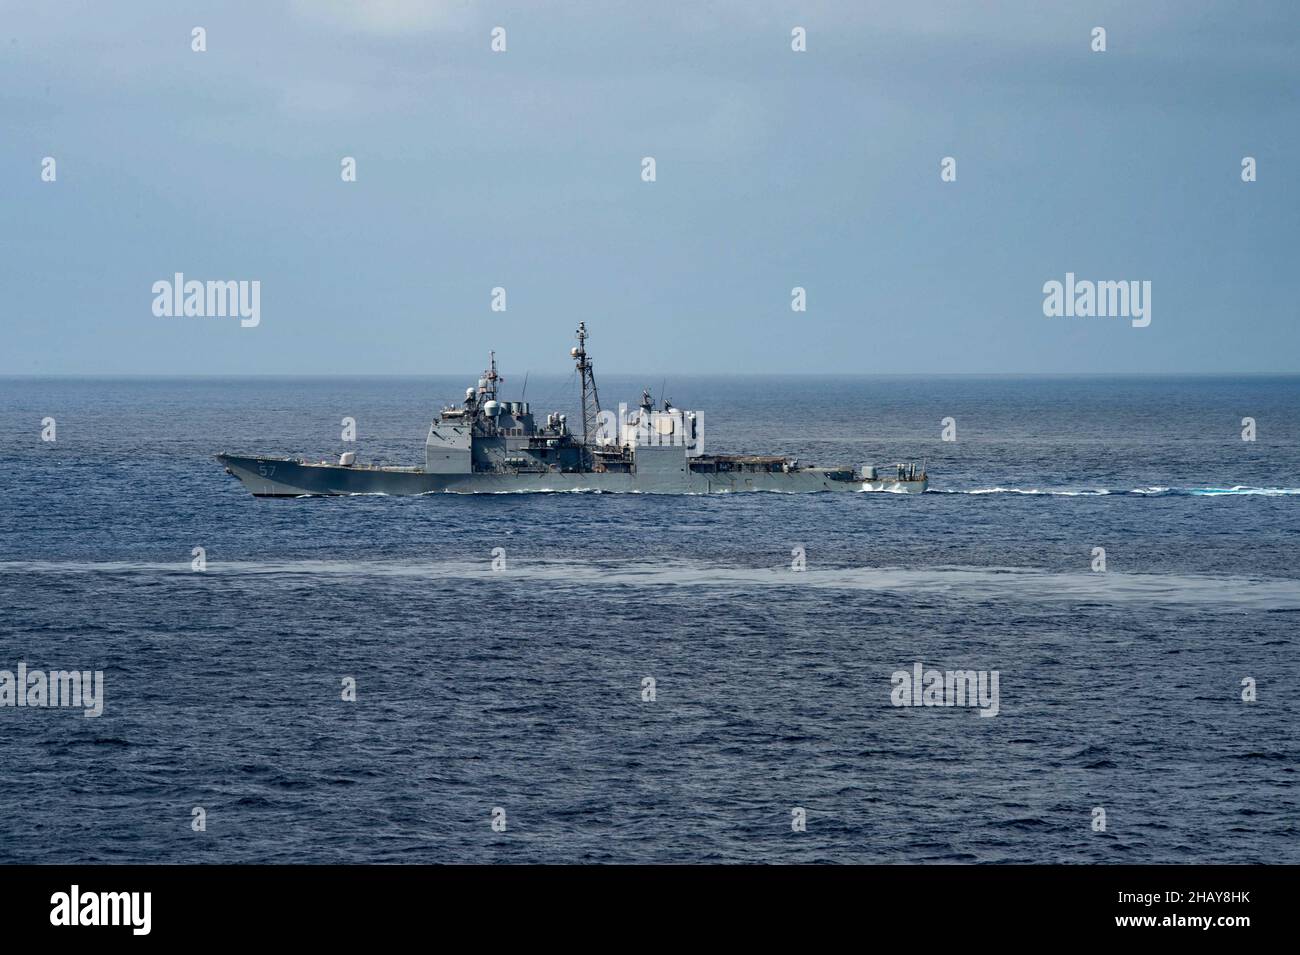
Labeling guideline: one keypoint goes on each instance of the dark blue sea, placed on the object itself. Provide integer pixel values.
(522, 689)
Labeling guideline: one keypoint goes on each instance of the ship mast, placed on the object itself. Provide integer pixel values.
(590, 399)
(490, 377)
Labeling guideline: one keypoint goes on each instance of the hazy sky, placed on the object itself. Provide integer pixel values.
(522, 170)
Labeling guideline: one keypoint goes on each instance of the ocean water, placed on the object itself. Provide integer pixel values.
(521, 689)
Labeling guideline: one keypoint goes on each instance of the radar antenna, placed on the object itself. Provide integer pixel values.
(487, 385)
(590, 399)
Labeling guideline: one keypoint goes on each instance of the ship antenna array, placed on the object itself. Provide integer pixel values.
(491, 376)
(590, 399)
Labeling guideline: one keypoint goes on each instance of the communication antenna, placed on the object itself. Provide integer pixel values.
(590, 399)
(490, 377)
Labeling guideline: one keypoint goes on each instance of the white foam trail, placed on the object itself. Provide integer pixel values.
(1241, 489)
(1061, 492)
(949, 583)
(1152, 491)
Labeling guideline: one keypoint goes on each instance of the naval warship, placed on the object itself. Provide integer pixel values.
(487, 445)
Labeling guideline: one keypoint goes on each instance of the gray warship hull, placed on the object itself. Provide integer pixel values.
(488, 445)
(288, 477)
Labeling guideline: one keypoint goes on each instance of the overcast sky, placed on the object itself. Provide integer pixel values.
(523, 170)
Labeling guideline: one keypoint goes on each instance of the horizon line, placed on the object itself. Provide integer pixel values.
(316, 376)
